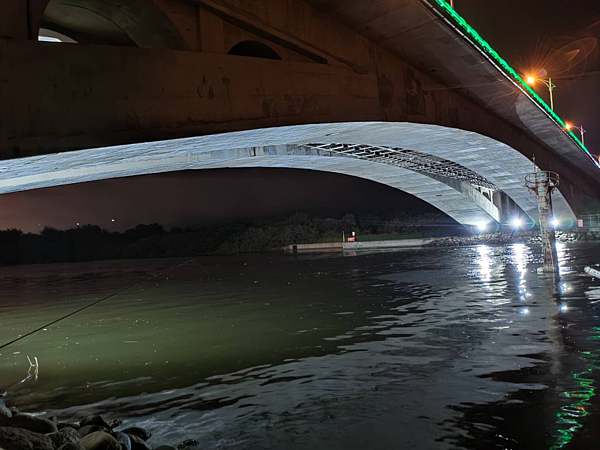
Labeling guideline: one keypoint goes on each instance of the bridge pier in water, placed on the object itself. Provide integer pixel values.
(542, 183)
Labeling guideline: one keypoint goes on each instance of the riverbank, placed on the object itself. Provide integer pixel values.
(188, 245)
(91, 243)
(19, 431)
(530, 237)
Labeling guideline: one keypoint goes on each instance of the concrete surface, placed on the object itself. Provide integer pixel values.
(402, 243)
(283, 147)
(159, 69)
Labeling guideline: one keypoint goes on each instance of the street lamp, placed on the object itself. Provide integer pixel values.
(531, 80)
(582, 130)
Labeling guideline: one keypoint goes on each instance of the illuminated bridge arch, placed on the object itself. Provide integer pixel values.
(470, 177)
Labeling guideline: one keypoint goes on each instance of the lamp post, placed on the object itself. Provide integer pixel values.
(580, 128)
(549, 83)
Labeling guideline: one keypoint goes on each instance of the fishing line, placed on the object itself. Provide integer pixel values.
(211, 277)
(114, 294)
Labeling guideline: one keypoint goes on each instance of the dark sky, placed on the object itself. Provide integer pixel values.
(558, 36)
(199, 197)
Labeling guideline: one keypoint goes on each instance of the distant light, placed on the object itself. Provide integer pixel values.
(77, 223)
(482, 226)
(555, 222)
(568, 126)
(530, 80)
(517, 223)
(112, 220)
(564, 307)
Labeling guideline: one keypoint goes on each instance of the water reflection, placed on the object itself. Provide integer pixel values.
(450, 348)
(520, 257)
(561, 254)
(570, 418)
(485, 262)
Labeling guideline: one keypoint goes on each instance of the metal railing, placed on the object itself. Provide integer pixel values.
(590, 220)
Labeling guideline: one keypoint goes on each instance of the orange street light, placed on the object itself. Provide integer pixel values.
(531, 80)
(581, 130)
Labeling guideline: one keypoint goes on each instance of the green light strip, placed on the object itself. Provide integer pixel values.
(490, 51)
(567, 417)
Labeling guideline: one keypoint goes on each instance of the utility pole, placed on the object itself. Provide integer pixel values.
(542, 184)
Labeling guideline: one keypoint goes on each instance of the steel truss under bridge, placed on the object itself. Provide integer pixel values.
(409, 159)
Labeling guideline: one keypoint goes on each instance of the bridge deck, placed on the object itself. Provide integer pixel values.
(437, 42)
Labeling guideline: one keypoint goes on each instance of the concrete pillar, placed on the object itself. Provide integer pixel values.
(542, 184)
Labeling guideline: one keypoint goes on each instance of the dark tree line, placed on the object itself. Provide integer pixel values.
(90, 242)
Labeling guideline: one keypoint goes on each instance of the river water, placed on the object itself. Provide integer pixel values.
(466, 348)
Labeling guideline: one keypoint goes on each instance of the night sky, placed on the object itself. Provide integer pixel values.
(556, 36)
(200, 197)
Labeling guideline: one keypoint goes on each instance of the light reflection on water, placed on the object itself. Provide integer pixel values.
(446, 348)
(485, 262)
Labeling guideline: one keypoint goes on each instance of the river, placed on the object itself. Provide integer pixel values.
(468, 348)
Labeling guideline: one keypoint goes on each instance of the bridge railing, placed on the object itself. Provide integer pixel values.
(476, 38)
(589, 220)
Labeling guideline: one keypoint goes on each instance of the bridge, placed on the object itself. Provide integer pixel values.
(401, 92)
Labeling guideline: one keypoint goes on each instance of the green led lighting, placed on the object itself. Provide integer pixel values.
(567, 417)
(487, 48)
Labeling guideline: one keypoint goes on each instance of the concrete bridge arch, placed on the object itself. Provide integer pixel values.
(470, 177)
(400, 61)
(138, 23)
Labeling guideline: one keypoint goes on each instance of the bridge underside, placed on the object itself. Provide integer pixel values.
(470, 177)
(164, 69)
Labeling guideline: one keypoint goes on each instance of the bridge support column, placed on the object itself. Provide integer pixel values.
(542, 184)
